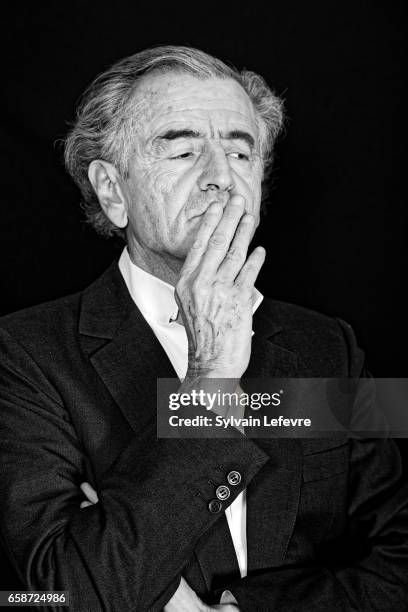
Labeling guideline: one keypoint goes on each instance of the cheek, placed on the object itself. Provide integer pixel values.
(164, 182)
(248, 181)
(171, 188)
(158, 182)
(150, 193)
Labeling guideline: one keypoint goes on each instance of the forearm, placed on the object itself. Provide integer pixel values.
(153, 507)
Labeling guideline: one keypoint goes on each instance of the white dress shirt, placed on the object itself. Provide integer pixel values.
(155, 300)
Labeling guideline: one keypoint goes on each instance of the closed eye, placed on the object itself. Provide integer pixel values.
(185, 155)
(238, 155)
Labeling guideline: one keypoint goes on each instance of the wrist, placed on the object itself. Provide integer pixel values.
(215, 393)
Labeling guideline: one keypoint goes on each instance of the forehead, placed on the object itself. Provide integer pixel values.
(177, 99)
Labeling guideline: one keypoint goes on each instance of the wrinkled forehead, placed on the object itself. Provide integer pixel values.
(163, 99)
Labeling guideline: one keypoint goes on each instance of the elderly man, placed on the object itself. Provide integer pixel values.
(170, 149)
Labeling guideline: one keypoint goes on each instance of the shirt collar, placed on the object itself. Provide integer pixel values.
(154, 297)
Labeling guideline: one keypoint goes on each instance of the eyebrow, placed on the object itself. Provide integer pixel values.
(186, 133)
(174, 134)
(240, 135)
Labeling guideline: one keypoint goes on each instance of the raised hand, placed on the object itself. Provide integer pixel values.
(214, 292)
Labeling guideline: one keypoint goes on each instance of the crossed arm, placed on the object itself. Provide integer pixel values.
(184, 599)
(111, 556)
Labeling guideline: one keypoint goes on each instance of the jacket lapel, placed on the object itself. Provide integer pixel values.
(269, 359)
(123, 349)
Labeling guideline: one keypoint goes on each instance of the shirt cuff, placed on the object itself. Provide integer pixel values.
(228, 598)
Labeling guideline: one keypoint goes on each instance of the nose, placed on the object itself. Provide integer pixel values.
(216, 173)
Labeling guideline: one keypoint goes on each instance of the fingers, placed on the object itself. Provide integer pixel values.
(185, 600)
(220, 240)
(89, 493)
(85, 504)
(237, 252)
(210, 221)
(249, 272)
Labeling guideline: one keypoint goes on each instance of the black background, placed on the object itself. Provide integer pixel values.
(336, 223)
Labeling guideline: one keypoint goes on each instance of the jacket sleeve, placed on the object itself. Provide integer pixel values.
(369, 572)
(128, 551)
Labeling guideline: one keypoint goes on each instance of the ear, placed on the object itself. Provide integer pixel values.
(107, 184)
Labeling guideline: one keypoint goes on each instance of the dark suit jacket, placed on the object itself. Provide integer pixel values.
(327, 520)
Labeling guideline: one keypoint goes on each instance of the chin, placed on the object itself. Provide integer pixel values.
(181, 246)
(180, 252)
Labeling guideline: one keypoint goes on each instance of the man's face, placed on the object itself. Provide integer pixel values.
(196, 143)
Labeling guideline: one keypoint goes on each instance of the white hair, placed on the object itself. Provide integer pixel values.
(106, 116)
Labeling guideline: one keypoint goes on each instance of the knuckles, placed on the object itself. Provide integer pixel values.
(235, 255)
(198, 244)
(217, 241)
(187, 284)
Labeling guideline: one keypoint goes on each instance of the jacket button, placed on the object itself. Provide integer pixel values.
(222, 492)
(234, 478)
(214, 506)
